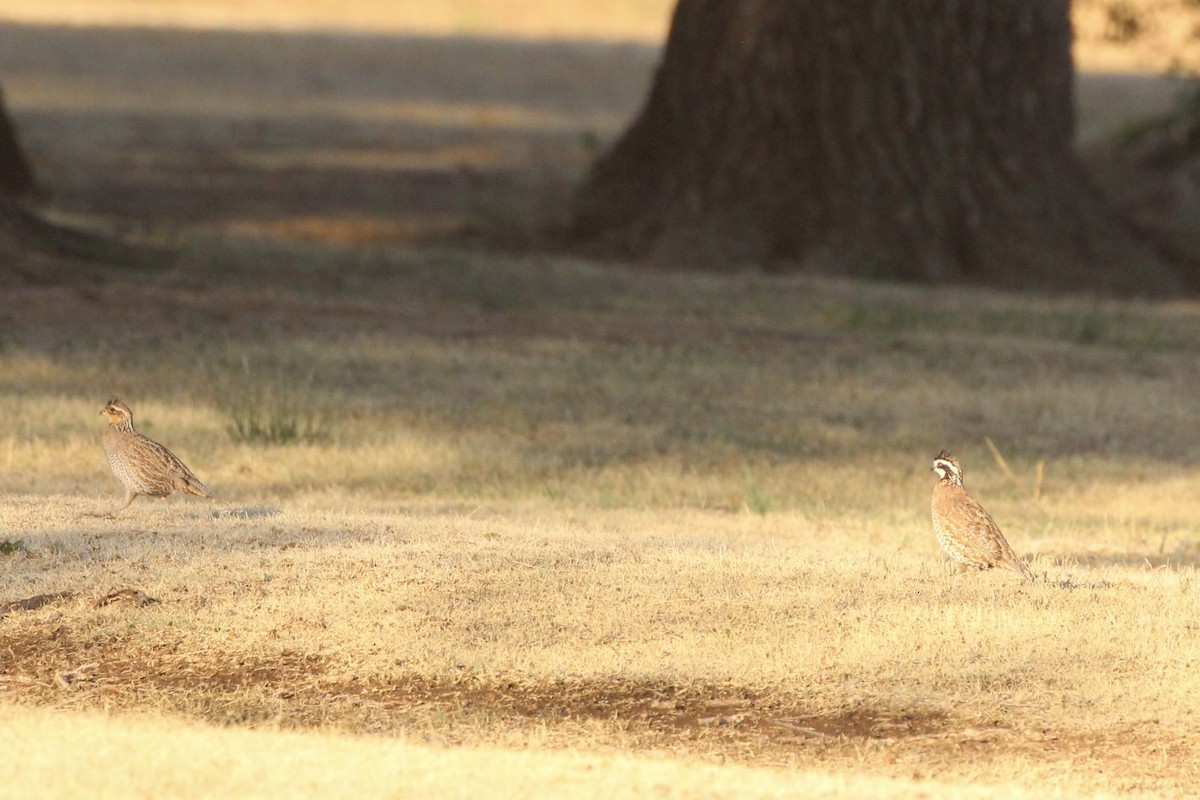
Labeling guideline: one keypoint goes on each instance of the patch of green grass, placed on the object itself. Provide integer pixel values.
(10, 546)
(274, 410)
(756, 499)
(1087, 328)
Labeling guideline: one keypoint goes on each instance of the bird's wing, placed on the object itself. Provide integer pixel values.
(159, 458)
(984, 533)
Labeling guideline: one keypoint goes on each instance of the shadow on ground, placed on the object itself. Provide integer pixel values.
(343, 137)
(382, 137)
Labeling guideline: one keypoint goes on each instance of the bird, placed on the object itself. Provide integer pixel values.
(141, 464)
(965, 531)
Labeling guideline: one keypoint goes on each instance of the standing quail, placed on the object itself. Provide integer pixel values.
(141, 464)
(966, 532)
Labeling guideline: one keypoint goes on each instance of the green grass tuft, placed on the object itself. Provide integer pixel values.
(10, 546)
(756, 499)
(274, 411)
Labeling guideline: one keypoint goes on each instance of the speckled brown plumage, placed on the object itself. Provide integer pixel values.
(141, 464)
(966, 532)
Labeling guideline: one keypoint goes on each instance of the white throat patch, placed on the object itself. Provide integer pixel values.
(944, 469)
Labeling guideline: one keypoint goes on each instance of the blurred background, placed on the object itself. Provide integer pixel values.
(471, 121)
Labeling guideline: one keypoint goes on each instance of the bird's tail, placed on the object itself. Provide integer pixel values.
(191, 485)
(1017, 565)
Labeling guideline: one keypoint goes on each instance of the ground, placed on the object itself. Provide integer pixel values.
(503, 514)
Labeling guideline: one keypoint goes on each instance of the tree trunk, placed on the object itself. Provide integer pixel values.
(929, 140)
(16, 177)
(35, 250)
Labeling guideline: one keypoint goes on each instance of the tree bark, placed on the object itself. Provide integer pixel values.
(36, 250)
(16, 176)
(929, 140)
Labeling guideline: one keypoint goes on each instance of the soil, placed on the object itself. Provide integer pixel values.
(51, 662)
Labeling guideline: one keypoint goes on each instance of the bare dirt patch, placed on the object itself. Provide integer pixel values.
(56, 664)
(119, 666)
(294, 689)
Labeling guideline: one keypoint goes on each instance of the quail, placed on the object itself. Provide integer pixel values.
(966, 532)
(141, 464)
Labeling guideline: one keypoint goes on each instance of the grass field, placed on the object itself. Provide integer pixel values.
(542, 526)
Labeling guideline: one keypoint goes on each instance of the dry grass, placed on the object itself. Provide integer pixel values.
(175, 760)
(533, 523)
(590, 530)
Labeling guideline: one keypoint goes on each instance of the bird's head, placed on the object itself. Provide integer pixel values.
(117, 413)
(947, 468)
